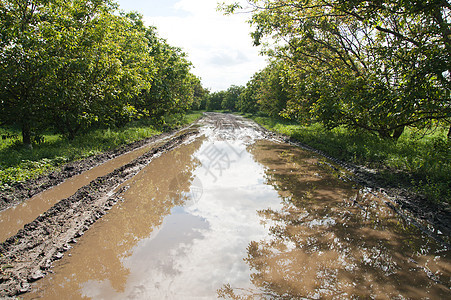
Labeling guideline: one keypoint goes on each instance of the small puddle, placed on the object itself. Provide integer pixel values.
(13, 219)
(215, 218)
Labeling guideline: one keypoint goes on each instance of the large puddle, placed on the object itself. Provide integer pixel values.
(13, 219)
(217, 218)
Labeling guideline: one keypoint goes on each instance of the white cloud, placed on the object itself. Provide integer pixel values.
(219, 46)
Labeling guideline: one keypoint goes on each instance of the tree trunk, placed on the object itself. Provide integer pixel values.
(449, 133)
(391, 134)
(397, 133)
(26, 135)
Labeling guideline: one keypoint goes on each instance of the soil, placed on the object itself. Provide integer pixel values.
(22, 191)
(28, 256)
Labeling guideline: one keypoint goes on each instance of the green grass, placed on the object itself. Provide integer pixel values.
(18, 163)
(418, 160)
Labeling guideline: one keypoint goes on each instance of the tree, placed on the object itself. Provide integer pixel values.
(68, 64)
(99, 74)
(231, 98)
(272, 95)
(27, 61)
(173, 86)
(200, 95)
(377, 65)
(247, 101)
(215, 99)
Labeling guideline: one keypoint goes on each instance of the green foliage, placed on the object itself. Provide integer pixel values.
(379, 66)
(418, 158)
(231, 98)
(20, 164)
(76, 65)
(174, 88)
(215, 100)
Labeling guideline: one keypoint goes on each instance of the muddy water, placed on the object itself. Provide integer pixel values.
(324, 246)
(216, 218)
(14, 218)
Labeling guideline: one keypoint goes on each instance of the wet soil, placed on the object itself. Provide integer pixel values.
(20, 192)
(14, 218)
(295, 223)
(27, 256)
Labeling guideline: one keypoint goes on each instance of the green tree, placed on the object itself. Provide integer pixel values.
(247, 101)
(200, 95)
(231, 98)
(27, 62)
(272, 94)
(215, 99)
(69, 64)
(173, 87)
(104, 65)
(377, 65)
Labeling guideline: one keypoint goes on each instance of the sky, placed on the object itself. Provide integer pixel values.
(220, 47)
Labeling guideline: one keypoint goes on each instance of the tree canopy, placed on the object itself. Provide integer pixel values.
(377, 65)
(74, 64)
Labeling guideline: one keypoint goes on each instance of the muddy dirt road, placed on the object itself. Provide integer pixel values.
(220, 209)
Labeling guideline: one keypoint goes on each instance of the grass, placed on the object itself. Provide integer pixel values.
(18, 164)
(418, 160)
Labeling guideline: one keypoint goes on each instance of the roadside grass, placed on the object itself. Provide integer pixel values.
(419, 160)
(18, 164)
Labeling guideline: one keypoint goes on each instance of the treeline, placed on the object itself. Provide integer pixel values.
(378, 66)
(71, 65)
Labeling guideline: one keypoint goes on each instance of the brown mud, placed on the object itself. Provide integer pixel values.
(14, 218)
(151, 196)
(433, 218)
(22, 191)
(28, 256)
(331, 241)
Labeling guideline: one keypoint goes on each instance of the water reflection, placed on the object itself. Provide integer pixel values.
(323, 246)
(96, 266)
(193, 214)
(167, 242)
(13, 219)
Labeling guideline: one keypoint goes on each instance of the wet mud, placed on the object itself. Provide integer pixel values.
(231, 212)
(14, 218)
(28, 255)
(333, 239)
(20, 192)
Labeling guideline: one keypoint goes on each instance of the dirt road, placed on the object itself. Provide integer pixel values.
(327, 222)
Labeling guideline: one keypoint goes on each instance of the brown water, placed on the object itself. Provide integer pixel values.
(14, 218)
(217, 218)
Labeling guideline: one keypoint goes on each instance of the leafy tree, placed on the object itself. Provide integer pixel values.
(173, 86)
(215, 99)
(376, 65)
(247, 101)
(27, 61)
(68, 64)
(106, 66)
(231, 98)
(272, 95)
(200, 95)
(80, 63)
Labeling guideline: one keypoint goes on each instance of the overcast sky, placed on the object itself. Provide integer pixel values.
(219, 46)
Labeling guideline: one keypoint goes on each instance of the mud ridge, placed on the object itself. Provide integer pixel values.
(22, 191)
(433, 219)
(27, 256)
